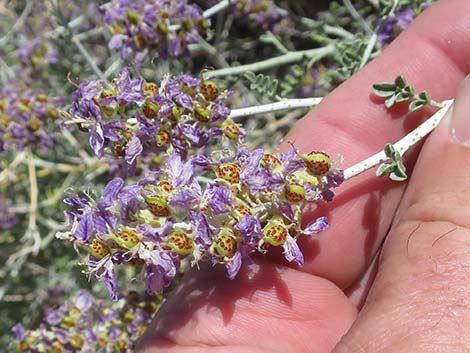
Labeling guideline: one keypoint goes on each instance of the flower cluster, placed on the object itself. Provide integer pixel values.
(263, 13)
(25, 119)
(132, 120)
(87, 325)
(219, 208)
(165, 27)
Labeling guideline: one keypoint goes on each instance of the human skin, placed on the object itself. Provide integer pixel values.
(418, 301)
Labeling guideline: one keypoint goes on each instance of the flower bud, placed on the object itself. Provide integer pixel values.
(158, 206)
(317, 163)
(180, 243)
(226, 243)
(203, 115)
(294, 192)
(127, 238)
(149, 89)
(231, 130)
(268, 161)
(275, 233)
(162, 138)
(209, 90)
(150, 109)
(133, 17)
(98, 249)
(164, 185)
(229, 172)
(239, 211)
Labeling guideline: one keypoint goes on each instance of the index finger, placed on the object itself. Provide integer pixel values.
(433, 55)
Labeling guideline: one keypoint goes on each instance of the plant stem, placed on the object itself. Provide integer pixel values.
(403, 144)
(352, 10)
(88, 58)
(220, 6)
(287, 58)
(32, 230)
(277, 106)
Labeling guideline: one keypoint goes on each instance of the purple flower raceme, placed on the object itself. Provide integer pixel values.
(136, 122)
(393, 25)
(143, 27)
(86, 324)
(27, 119)
(219, 209)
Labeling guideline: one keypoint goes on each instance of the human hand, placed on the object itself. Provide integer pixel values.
(418, 298)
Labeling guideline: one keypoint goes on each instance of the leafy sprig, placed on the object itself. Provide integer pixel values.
(400, 91)
(394, 167)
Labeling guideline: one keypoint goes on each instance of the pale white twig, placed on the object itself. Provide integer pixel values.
(287, 58)
(277, 106)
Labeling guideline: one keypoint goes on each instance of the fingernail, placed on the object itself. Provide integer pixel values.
(460, 123)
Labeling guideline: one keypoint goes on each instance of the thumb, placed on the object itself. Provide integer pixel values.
(419, 300)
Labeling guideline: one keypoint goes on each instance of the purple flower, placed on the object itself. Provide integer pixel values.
(220, 198)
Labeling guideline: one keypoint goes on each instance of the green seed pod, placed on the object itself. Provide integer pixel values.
(126, 238)
(226, 243)
(231, 130)
(275, 233)
(150, 109)
(229, 172)
(209, 90)
(150, 89)
(162, 138)
(180, 243)
(203, 115)
(317, 163)
(98, 249)
(158, 206)
(294, 192)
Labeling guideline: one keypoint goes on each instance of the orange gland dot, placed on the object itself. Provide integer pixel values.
(317, 163)
(274, 234)
(229, 172)
(180, 243)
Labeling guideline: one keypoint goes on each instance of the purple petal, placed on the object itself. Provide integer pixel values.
(110, 193)
(133, 150)
(316, 226)
(235, 265)
(292, 251)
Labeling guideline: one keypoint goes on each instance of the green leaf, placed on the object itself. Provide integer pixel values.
(402, 97)
(389, 149)
(416, 105)
(384, 89)
(424, 96)
(398, 176)
(385, 168)
(390, 101)
(400, 81)
(249, 75)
